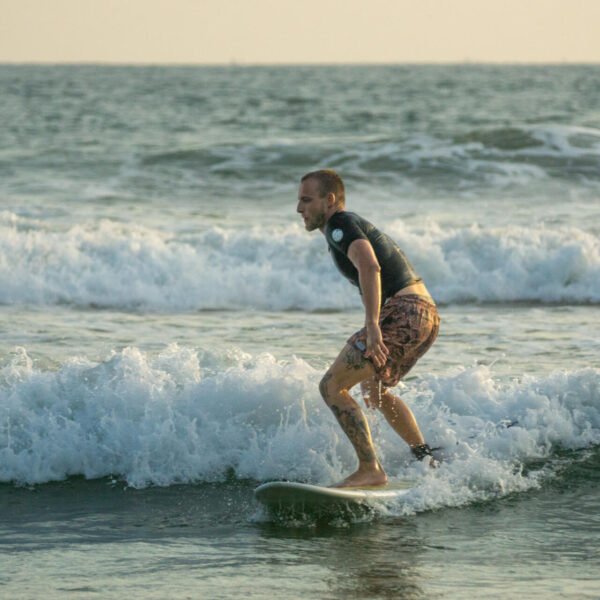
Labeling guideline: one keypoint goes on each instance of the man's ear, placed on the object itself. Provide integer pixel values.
(331, 199)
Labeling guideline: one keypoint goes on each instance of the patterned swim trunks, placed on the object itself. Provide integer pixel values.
(409, 325)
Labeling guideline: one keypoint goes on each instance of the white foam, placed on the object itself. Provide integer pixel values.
(127, 266)
(169, 419)
(505, 264)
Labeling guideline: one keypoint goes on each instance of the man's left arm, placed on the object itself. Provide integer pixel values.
(361, 253)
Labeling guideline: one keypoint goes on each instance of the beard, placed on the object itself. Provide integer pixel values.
(317, 222)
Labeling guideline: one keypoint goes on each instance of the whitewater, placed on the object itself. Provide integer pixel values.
(175, 420)
(132, 267)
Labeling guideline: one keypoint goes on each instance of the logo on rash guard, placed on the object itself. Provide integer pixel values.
(337, 235)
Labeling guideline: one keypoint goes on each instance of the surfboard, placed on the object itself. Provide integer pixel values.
(284, 494)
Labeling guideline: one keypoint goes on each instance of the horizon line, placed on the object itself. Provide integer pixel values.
(236, 63)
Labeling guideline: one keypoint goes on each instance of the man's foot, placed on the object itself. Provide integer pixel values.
(364, 477)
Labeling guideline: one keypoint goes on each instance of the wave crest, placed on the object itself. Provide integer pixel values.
(280, 268)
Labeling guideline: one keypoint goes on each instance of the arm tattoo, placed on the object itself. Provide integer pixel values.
(355, 426)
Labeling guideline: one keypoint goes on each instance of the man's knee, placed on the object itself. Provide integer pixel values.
(331, 386)
(326, 386)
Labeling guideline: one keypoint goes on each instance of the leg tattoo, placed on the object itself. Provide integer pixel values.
(350, 368)
(354, 359)
(355, 426)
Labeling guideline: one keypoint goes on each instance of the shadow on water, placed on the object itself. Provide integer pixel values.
(369, 559)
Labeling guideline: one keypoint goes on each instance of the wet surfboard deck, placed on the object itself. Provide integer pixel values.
(279, 494)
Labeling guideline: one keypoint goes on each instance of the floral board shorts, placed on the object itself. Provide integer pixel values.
(409, 325)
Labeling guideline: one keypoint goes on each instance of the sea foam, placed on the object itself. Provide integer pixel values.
(175, 418)
(126, 266)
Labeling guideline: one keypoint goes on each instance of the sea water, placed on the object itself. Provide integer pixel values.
(166, 320)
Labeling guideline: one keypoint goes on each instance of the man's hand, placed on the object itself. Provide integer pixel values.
(376, 349)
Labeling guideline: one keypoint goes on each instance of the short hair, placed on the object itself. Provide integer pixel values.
(328, 182)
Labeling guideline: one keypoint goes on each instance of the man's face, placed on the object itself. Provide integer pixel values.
(311, 205)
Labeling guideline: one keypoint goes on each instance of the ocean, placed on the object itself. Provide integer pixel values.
(166, 320)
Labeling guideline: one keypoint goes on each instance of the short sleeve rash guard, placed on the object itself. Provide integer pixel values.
(343, 228)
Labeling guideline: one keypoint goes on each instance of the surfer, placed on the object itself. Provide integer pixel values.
(401, 323)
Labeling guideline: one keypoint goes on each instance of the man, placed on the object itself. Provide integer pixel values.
(401, 323)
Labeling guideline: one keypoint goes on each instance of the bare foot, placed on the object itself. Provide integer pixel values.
(364, 477)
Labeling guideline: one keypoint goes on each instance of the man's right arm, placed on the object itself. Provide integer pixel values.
(361, 253)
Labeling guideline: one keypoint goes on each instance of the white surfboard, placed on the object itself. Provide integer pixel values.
(281, 494)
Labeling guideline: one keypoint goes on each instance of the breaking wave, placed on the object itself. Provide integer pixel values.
(190, 416)
(130, 267)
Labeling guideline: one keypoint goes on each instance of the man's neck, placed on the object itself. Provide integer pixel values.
(334, 209)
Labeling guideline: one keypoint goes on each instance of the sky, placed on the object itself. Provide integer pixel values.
(299, 31)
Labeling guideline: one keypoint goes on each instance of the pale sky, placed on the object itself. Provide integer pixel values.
(299, 31)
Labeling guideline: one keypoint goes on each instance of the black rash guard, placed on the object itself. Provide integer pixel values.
(396, 271)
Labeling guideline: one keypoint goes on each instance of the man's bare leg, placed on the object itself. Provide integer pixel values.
(350, 368)
(395, 411)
